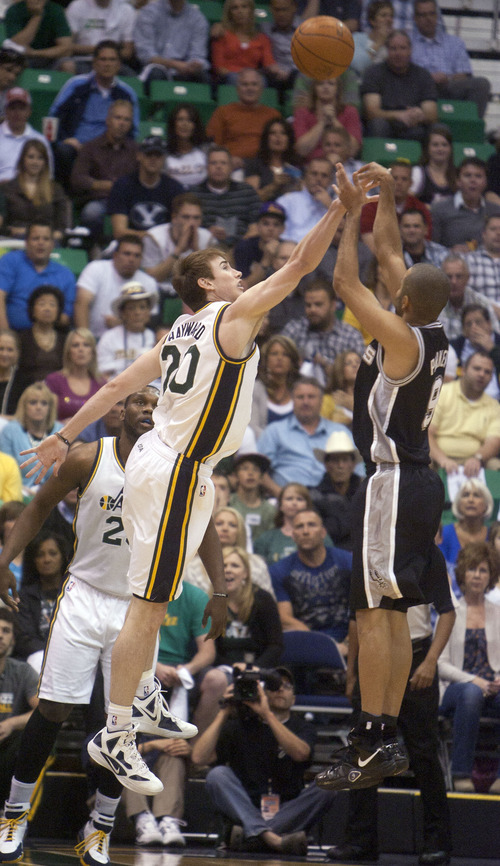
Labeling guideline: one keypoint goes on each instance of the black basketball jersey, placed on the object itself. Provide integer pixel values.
(391, 417)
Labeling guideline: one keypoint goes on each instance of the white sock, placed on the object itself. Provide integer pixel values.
(146, 684)
(119, 718)
(20, 795)
(105, 805)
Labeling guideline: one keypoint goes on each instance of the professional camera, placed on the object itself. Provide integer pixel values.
(246, 683)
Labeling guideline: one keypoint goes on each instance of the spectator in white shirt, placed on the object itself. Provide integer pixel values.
(15, 131)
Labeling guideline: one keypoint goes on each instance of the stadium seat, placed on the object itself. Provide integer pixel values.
(304, 653)
(151, 127)
(137, 86)
(170, 93)
(462, 150)
(211, 9)
(75, 260)
(386, 151)
(461, 117)
(227, 93)
(44, 85)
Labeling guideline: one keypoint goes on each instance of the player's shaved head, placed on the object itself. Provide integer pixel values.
(428, 289)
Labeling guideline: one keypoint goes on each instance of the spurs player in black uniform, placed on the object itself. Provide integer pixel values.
(398, 508)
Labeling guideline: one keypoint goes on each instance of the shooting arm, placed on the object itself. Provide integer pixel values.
(386, 236)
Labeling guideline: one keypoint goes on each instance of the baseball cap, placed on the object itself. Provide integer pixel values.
(132, 291)
(17, 94)
(272, 208)
(152, 144)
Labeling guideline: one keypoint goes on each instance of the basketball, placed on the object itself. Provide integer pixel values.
(322, 47)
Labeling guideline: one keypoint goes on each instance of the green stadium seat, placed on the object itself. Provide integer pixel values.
(170, 93)
(464, 149)
(386, 151)
(75, 260)
(461, 117)
(211, 9)
(227, 93)
(152, 127)
(43, 85)
(137, 85)
(262, 13)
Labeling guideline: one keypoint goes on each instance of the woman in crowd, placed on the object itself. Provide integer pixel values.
(325, 108)
(271, 172)
(253, 631)
(469, 666)
(472, 508)
(11, 383)
(240, 46)
(35, 419)
(277, 543)
(32, 195)
(369, 46)
(79, 378)
(436, 176)
(231, 531)
(9, 512)
(338, 400)
(42, 345)
(186, 160)
(45, 562)
(278, 371)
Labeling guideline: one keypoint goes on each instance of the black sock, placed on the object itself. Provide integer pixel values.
(389, 727)
(37, 742)
(368, 731)
(108, 784)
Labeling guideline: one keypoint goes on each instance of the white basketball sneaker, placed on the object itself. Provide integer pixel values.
(13, 828)
(117, 751)
(151, 715)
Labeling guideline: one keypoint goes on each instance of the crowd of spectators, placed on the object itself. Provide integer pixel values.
(251, 179)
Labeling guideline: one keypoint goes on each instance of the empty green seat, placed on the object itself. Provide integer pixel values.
(170, 93)
(464, 149)
(385, 151)
(75, 260)
(461, 117)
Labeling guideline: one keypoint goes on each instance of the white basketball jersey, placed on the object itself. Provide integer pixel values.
(101, 557)
(207, 397)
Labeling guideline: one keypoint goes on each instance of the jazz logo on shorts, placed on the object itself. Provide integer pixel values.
(203, 489)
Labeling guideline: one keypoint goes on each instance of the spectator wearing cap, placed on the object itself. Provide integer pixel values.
(319, 335)
(165, 244)
(254, 256)
(42, 32)
(401, 173)
(171, 41)
(333, 495)
(82, 105)
(100, 162)
(289, 444)
(11, 65)
(101, 282)
(15, 131)
(143, 199)
(120, 346)
(257, 512)
(239, 125)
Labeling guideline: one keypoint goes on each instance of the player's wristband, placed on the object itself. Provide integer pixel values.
(219, 595)
(66, 441)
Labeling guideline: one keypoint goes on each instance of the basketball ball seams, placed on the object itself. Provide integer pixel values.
(322, 47)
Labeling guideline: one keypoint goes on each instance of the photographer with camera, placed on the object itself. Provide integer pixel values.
(262, 752)
(253, 630)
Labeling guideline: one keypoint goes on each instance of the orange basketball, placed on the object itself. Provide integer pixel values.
(322, 47)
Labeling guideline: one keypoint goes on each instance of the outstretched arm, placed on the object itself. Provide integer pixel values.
(243, 318)
(52, 451)
(398, 340)
(386, 236)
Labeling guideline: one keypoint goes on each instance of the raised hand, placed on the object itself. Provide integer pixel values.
(352, 195)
